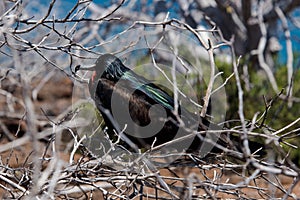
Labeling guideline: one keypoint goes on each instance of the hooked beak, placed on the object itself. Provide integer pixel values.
(90, 68)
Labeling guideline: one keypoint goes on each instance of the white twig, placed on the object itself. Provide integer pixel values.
(211, 80)
(261, 48)
(289, 50)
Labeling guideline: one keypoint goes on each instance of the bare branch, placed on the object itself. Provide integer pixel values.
(289, 50)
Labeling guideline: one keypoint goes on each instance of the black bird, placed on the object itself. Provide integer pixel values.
(144, 110)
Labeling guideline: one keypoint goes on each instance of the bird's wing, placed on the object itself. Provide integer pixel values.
(150, 89)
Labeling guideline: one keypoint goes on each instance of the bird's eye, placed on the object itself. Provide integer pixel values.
(107, 75)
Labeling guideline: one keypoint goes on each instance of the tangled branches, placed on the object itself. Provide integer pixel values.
(46, 117)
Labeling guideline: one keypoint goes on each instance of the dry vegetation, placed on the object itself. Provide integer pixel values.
(42, 155)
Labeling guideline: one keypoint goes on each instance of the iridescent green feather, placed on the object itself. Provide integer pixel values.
(151, 90)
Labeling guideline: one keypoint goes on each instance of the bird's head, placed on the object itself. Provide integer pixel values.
(107, 66)
(112, 66)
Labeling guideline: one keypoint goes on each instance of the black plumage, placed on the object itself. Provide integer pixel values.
(145, 110)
